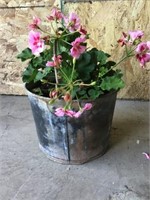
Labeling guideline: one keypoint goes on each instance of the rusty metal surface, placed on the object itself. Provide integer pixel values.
(69, 140)
(89, 134)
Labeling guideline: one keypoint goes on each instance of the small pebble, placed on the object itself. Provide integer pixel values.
(138, 141)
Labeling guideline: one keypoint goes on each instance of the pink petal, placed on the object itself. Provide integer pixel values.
(146, 155)
(60, 112)
(143, 58)
(123, 40)
(77, 47)
(72, 22)
(82, 30)
(55, 15)
(35, 23)
(50, 64)
(141, 47)
(87, 106)
(70, 113)
(57, 59)
(36, 44)
(136, 34)
(75, 52)
(78, 114)
(78, 41)
(148, 44)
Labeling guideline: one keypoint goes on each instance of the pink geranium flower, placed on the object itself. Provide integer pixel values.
(142, 47)
(36, 22)
(143, 59)
(36, 44)
(60, 112)
(77, 47)
(78, 114)
(82, 30)
(72, 22)
(123, 40)
(56, 61)
(143, 53)
(55, 15)
(69, 113)
(135, 35)
(87, 106)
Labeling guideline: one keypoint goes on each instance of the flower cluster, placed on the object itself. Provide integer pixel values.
(63, 67)
(72, 23)
(62, 111)
(142, 50)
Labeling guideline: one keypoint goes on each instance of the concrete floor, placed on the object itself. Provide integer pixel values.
(27, 174)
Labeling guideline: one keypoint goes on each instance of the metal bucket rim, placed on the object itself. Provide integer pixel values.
(61, 100)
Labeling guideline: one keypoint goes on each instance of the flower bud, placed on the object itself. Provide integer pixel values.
(67, 97)
(53, 94)
(46, 39)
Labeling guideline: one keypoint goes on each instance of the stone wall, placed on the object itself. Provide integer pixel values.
(105, 20)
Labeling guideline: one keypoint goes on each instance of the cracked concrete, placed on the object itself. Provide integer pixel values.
(27, 174)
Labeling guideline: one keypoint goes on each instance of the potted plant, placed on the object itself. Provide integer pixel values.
(72, 88)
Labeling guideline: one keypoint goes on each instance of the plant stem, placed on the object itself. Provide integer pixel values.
(74, 63)
(69, 34)
(128, 54)
(78, 102)
(66, 42)
(55, 70)
(66, 77)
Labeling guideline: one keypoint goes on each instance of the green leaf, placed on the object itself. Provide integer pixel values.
(109, 64)
(38, 76)
(47, 54)
(41, 74)
(67, 60)
(63, 47)
(85, 65)
(102, 71)
(74, 91)
(68, 72)
(37, 61)
(25, 54)
(112, 82)
(29, 74)
(94, 93)
(102, 57)
(82, 93)
(83, 61)
(106, 68)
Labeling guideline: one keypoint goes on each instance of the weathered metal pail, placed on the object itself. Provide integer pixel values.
(73, 140)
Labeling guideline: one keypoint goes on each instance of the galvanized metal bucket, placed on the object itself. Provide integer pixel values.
(73, 140)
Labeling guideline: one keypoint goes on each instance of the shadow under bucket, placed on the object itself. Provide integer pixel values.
(73, 140)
